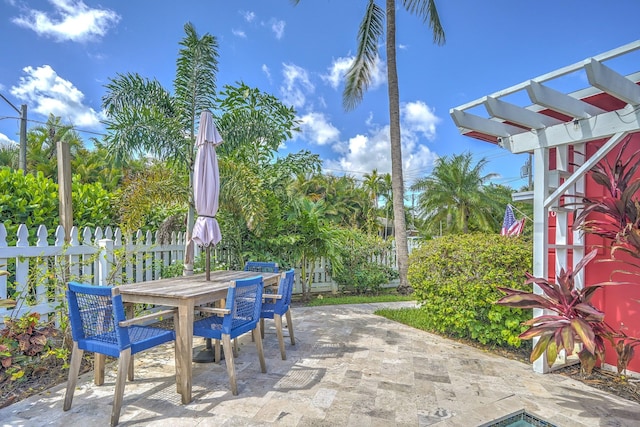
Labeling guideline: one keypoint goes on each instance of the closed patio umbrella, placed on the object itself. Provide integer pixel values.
(206, 186)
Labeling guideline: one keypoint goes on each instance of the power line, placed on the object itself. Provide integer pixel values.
(57, 126)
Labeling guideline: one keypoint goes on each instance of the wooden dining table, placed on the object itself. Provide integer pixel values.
(186, 293)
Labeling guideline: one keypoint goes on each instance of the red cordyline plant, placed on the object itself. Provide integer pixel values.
(617, 216)
(617, 219)
(574, 318)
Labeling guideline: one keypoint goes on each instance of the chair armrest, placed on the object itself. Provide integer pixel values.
(147, 317)
(215, 310)
(271, 296)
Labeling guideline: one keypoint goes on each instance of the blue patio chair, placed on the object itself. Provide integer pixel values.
(241, 315)
(99, 325)
(276, 305)
(261, 267)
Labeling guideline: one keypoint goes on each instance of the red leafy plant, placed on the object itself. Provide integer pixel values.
(574, 318)
(617, 212)
(614, 216)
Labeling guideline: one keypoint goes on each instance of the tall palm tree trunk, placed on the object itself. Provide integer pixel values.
(397, 180)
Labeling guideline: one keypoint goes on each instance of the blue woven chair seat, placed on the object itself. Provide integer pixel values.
(268, 310)
(243, 304)
(141, 337)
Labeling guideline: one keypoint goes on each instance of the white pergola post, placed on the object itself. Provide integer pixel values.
(540, 227)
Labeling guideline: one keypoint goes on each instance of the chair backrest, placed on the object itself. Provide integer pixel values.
(262, 267)
(244, 300)
(94, 314)
(285, 288)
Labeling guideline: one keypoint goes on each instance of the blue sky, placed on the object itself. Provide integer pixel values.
(57, 55)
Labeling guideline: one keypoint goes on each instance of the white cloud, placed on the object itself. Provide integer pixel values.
(70, 20)
(337, 71)
(249, 16)
(296, 85)
(363, 153)
(339, 67)
(278, 28)
(317, 130)
(5, 141)
(418, 117)
(47, 93)
(239, 33)
(266, 71)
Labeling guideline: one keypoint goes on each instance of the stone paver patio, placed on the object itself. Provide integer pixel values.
(348, 368)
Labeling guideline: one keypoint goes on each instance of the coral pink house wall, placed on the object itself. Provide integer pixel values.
(620, 303)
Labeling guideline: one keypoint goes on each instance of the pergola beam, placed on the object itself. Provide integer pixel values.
(558, 101)
(614, 53)
(518, 115)
(482, 125)
(602, 126)
(607, 80)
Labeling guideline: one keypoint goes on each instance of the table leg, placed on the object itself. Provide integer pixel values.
(184, 345)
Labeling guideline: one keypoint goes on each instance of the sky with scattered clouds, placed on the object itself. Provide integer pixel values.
(57, 56)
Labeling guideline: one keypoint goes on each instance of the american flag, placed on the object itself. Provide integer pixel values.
(511, 226)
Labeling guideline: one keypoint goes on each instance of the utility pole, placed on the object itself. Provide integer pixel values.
(22, 157)
(22, 161)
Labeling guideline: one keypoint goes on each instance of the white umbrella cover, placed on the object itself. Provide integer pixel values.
(206, 183)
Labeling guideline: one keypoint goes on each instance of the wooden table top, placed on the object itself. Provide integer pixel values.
(184, 287)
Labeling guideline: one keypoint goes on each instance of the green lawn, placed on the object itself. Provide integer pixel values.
(357, 299)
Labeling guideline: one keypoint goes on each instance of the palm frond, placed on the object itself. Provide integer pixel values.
(358, 77)
(427, 10)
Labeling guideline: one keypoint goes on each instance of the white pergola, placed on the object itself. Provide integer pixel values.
(606, 110)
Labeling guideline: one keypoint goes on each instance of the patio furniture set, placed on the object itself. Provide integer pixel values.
(102, 321)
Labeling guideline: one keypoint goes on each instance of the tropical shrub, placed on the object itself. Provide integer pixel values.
(92, 204)
(574, 318)
(33, 200)
(615, 216)
(27, 199)
(361, 272)
(456, 279)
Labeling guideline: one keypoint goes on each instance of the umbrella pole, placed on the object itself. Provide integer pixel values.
(207, 262)
(206, 355)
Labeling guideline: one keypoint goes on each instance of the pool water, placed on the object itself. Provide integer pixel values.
(519, 419)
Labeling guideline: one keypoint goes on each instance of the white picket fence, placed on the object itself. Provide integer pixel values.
(100, 257)
(93, 256)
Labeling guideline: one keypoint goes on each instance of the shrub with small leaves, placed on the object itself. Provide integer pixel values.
(456, 280)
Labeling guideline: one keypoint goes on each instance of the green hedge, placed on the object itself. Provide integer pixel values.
(33, 200)
(455, 279)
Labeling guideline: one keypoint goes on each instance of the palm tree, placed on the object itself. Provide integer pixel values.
(359, 77)
(373, 183)
(9, 155)
(42, 142)
(143, 118)
(313, 236)
(455, 192)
